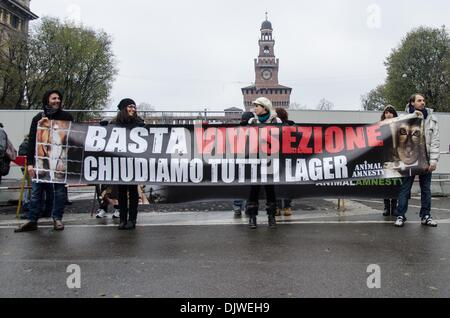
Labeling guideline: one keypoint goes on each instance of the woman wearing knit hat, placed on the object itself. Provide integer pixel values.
(264, 115)
(128, 194)
(389, 204)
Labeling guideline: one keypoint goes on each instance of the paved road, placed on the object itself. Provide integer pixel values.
(318, 252)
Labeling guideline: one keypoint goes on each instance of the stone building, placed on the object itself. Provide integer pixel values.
(266, 73)
(15, 15)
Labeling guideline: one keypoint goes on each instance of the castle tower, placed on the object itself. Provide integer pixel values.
(266, 73)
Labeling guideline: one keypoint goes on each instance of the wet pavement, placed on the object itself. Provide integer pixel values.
(202, 250)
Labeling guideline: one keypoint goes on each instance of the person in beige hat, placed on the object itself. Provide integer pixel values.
(264, 114)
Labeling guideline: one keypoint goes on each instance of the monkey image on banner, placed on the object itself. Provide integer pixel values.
(408, 148)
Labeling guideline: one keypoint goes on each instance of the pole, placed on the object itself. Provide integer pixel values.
(22, 189)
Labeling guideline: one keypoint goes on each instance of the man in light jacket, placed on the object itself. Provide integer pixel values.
(417, 105)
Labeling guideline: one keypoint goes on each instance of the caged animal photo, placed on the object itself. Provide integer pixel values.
(408, 153)
(51, 150)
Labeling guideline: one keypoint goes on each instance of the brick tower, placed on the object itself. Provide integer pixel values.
(266, 73)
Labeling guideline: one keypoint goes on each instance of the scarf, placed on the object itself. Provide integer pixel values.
(424, 111)
(264, 118)
(49, 111)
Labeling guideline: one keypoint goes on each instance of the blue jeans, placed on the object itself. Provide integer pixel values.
(425, 195)
(46, 199)
(238, 204)
(59, 198)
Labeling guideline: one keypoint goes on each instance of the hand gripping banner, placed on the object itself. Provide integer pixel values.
(224, 155)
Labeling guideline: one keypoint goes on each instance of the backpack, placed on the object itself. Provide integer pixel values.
(5, 164)
(6, 157)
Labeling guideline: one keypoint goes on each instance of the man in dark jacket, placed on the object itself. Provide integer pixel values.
(52, 110)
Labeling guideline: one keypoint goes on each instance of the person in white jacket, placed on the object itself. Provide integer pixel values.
(265, 115)
(417, 105)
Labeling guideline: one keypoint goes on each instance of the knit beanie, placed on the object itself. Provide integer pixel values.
(125, 102)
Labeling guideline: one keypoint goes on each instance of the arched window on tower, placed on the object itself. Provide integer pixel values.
(266, 50)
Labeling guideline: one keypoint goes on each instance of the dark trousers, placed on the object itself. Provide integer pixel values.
(390, 204)
(271, 200)
(284, 203)
(128, 202)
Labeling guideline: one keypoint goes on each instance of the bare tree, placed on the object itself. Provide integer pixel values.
(375, 99)
(297, 106)
(325, 105)
(146, 107)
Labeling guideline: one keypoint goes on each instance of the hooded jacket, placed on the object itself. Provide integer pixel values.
(431, 136)
(390, 109)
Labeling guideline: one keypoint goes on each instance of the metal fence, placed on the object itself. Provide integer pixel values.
(163, 117)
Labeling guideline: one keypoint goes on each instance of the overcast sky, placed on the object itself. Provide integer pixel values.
(197, 54)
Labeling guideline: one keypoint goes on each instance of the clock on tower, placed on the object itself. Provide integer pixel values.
(266, 74)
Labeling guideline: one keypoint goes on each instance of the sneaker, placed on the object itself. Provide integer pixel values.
(100, 214)
(288, 211)
(400, 221)
(58, 225)
(237, 211)
(427, 220)
(116, 214)
(27, 227)
(252, 222)
(272, 222)
(130, 225)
